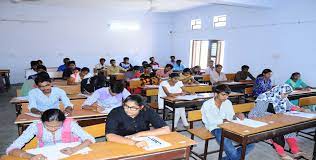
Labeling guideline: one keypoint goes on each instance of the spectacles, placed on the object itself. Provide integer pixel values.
(131, 108)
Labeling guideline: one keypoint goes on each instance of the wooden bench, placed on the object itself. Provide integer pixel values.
(203, 133)
(306, 101)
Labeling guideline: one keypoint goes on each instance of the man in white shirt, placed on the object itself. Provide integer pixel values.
(210, 68)
(101, 65)
(218, 110)
(217, 75)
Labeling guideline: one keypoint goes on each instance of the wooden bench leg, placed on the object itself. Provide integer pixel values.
(205, 149)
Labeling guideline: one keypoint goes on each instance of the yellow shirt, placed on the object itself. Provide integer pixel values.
(113, 70)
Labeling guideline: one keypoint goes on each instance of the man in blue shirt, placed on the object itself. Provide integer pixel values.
(46, 97)
(61, 68)
(178, 67)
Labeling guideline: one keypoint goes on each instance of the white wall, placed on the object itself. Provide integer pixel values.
(78, 33)
(261, 38)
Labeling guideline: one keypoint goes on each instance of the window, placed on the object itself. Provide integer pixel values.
(196, 24)
(219, 21)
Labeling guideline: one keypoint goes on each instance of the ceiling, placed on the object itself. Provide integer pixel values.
(153, 5)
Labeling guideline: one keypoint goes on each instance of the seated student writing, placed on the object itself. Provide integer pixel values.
(114, 69)
(46, 97)
(297, 83)
(125, 64)
(218, 110)
(69, 70)
(187, 78)
(164, 73)
(244, 74)
(62, 67)
(153, 63)
(149, 77)
(172, 88)
(217, 75)
(40, 69)
(78, 75)
(53, 128)
(107, 98)
(196, 70)
(134, 119)
(178, 67)
(101, 65)
(275, 101)
(263, 83)
(89, 85)
(133, 73)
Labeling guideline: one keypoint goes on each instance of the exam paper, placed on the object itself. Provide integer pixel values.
(33, 115)
(53, 152)
(187, 97)
(250, 123)
(153, 142)
(301, 114)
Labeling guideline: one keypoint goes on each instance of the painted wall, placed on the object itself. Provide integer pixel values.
(81, 34)
(262, 38)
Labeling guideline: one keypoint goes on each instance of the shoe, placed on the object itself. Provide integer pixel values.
(187, 127)
(286, 157)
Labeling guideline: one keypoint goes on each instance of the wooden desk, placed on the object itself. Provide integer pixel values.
(176, 103)
(23, 120)
(238, 85)
(152, 90)
(297, 94)
(6, 75)
(18, 102)
(279, 124)
(179, 149)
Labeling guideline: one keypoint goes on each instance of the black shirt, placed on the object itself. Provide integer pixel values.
(119, 123)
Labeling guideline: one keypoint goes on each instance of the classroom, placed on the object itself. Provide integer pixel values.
(157, 79)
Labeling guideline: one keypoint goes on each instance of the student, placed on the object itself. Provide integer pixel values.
(132, 74)
(164, 73)
(218, 110)
(187, 78)
(69, 70)
(296, 82)
(172, 60)
(144, 63)
(196, 70)
(273, 102)
(217, 75)
(132, 120)
(40, 69)
(125, 64)
(34, 65)
(45, 97)
(39, 62)
(210, 68)
(78, 75)
(101, 65)
(149, 77)
(178, 67)
(173, 87)
(62, 68)
(107, 98)
(114, 69)
(262, 83)
(153, 63)
(244, 74)
(53, 128)
(29, 84)
(89, 85)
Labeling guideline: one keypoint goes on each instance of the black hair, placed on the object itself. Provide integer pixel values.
(116, 86)
(169, 65)
(144, 62)
(139, 100)
(187, 70)
(151, 58)
(85, 69)
(39, 61)
(222, 88)
(34, 63)
(295, 74)
(66, 59)
(172, 75)
(172, 57)
(42, 77)
(41, 67)
(148, 66)
(136, 68)
(71, 62)
(112, 60)
(218, 65)
(53, 115)
(125, 58)
(178, 61)
(265, 71)
(244, 67)
(102, 59)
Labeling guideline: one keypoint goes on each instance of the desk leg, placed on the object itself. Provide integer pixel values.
(314, 153)
(173, 115)
(164, 112)
(187, 153)
(244, 147)
(221, 149)
(20, 129)
(18, 108)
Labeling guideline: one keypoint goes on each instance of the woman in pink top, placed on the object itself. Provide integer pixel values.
(164, 73)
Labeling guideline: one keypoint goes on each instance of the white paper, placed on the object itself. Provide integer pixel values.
(301, 114)
(250, 123)
(33, 115)
(151, 86)
(85, 95)
(153, 142)
(53, 152)
(187, 97)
